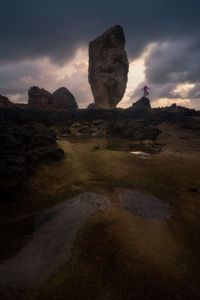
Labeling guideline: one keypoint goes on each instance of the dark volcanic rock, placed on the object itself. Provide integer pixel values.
(22, 148)
(108, 67)
(61, 99)
(144, 102)
(42, 145)
(5, 102)
(117, 128)
(92, 106)
(39, 98)
(64, 99)
(174, 114)
(174, 106)
(133, 130)
(93, 128)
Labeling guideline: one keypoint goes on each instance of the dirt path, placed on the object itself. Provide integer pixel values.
(51, 243)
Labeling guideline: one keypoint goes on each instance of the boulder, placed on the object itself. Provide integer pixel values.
(93, 106)
(144, 102)
(173, 105)
(91, 128)
(64, 99)
(39, 98)
(5, 102)
(22, 149)
(108, 68)
(42, 99)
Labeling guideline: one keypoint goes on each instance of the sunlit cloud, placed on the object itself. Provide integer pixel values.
(183, 89)
(73, 75)
(136, 75)
(44, 74)
(168, 102)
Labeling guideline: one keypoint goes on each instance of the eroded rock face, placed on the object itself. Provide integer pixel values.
(39, 98)
(42, 99)
(144, 102)
(63, 98)
(5, 102)
(108, 68)
(22, 148)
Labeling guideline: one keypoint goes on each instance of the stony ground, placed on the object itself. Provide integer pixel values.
(144, 246)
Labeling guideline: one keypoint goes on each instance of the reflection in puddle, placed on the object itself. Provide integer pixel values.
(141, 154)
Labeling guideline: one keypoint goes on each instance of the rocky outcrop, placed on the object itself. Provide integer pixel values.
(22, 148)
(42, 99)
(5, 102)
(144, 102)
(39, 98)
(108, 67)
(93, 106)
(94, 128)
(133, 130)
(118, 128)
(64, 99)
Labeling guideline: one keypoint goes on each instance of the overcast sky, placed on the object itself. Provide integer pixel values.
(45, 43)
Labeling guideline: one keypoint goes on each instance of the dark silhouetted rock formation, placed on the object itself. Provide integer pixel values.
(5, 102)
(39, 98)
(22, 148)
(42, 99)
(144, 102)
(93, 106)
(108, 68)
(64, 99)
(174, 106)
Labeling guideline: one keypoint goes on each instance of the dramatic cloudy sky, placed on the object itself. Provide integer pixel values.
(45, 43)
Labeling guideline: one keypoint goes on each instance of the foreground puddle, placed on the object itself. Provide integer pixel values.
(141, 154)
(145, 205)
(51, 243)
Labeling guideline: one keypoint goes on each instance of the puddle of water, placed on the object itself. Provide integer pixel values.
(145, 205)
(51, 243)
(141, 154)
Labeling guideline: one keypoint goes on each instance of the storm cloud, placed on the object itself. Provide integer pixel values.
(53, 30)
(174, 62)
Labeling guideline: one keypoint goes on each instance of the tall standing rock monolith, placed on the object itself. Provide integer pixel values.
(108, 68)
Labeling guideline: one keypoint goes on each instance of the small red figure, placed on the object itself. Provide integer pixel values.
(145, 89)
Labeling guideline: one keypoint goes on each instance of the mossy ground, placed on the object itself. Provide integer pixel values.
(116, 255)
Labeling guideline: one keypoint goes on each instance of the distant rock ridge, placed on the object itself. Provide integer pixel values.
(108, 68)
(42, 99)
